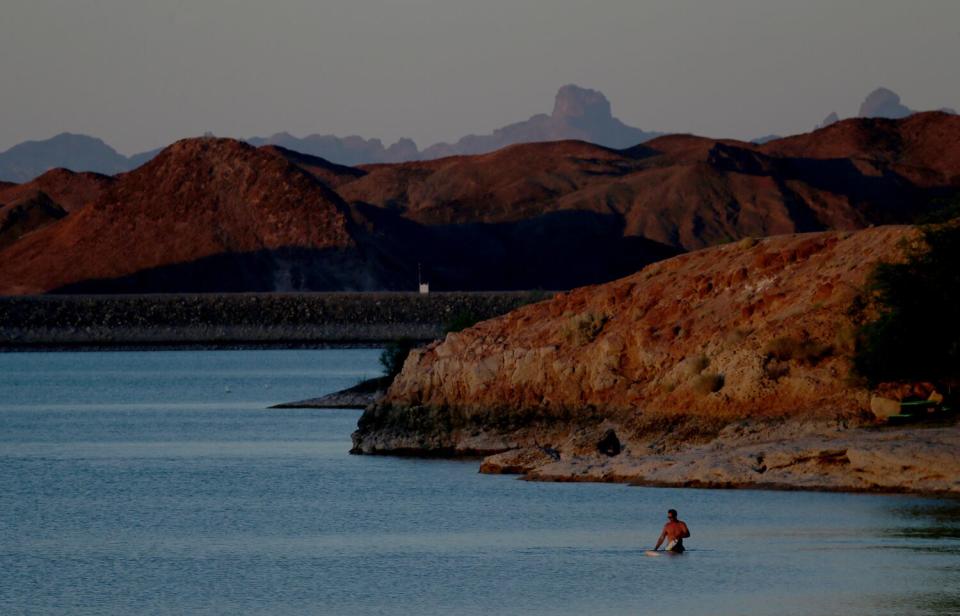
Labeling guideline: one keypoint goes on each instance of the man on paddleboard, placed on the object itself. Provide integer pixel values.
(674, 531)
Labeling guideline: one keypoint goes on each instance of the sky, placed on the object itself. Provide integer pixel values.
(140, 74)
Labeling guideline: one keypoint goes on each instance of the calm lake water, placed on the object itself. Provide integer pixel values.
(158, 483)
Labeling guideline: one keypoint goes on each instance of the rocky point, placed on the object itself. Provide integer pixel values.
(726, 366)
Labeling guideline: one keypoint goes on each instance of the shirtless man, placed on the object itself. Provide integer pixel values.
(674, 531)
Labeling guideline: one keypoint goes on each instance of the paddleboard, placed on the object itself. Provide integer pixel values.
(660, 553)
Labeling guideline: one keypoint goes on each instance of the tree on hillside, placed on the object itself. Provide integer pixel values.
(915, 335)
(393, 356)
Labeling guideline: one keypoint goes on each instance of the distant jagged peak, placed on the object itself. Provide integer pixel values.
(348, 150)
(884, 103)
(832, 118)
(574, 102)
(765, 139)
(578, 113)
(880, 103)
(281, 139)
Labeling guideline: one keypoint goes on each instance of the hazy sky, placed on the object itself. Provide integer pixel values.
(140, 73)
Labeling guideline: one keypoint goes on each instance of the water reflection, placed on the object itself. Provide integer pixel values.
(935, 520)
(936, 603)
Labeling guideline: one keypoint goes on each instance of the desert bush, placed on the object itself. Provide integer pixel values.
(775, 370)
(394, 354)
(845, 339)
(585, 327)
(461, 320)
(915, 333)
(707, 383)
(942, 210)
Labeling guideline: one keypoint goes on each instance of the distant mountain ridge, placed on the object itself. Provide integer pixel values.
(352, 150)
(80, 153)
(578, 113)
(29, 159)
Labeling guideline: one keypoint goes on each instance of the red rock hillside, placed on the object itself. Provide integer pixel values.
(690, 192)
(28, 207)
(69, 190)
(752, 329)
(200, 198)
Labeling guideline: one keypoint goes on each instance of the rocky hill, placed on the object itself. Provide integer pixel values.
(33, 205)
(69, 190)
(25, 214)
(921, 149)
(704, 368)
(206, 214)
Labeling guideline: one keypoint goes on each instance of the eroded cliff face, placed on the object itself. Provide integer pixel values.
(755, 330)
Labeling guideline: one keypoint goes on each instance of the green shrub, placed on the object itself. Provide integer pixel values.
(940, 211)
(915, 335)
(775, 370)
(462, 320)
(845, 338)
(584, 328)
(393, 356)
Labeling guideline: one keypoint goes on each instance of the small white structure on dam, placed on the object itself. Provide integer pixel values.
(424, 286)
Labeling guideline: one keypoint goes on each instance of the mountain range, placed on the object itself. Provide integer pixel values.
(578, 113)
(212, 214)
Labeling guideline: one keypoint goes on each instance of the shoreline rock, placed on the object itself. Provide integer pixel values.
(360, 396)
(728, 366)
(763, 455)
